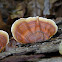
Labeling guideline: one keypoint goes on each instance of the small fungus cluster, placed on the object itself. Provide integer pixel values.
(29, 30)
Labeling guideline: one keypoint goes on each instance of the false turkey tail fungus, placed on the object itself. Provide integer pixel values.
(33, 29)
(4, 39)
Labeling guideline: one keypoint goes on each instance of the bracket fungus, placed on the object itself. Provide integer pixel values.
(33, 29)
(60, 48)
(4, 39)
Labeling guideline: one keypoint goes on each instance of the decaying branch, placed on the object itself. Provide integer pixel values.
(45, 47)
